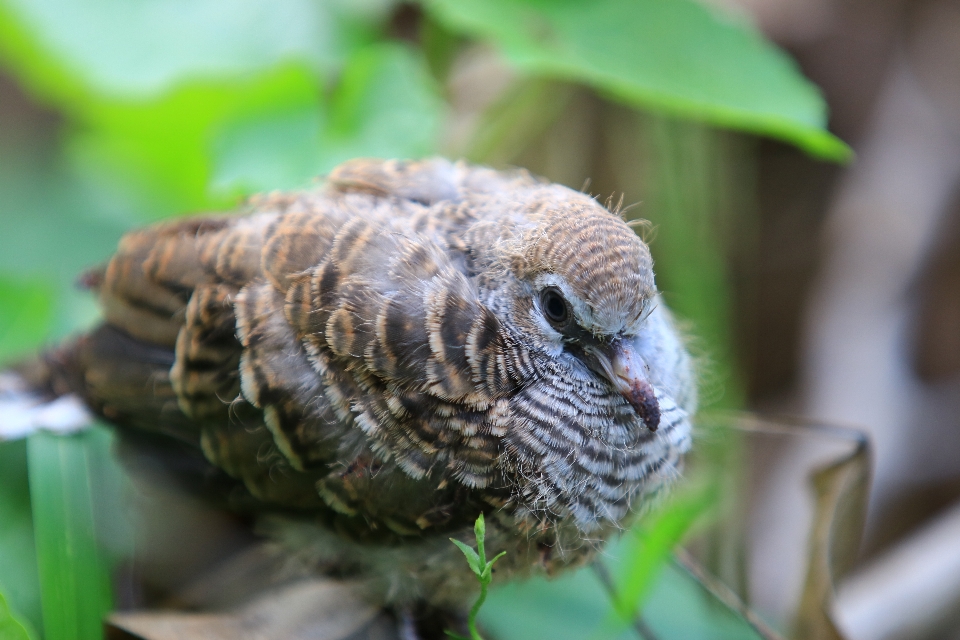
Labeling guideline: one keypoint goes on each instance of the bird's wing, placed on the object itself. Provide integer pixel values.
(164, 365)
(404, 347)
(324, 330)
(397, 338)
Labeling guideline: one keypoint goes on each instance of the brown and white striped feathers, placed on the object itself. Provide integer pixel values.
(402, 348)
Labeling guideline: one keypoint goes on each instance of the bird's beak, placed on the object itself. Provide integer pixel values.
(625, 369)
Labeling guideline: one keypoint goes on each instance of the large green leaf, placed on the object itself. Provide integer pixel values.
(683, 607)
(672, 55)
(121, 49)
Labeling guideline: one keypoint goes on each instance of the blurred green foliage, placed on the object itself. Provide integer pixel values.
(11, 628)
(577, 606)
(162, 107)
(24, 315)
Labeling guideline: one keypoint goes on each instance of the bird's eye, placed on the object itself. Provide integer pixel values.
(555, 308)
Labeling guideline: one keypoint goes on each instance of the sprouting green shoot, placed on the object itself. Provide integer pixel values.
(483, 570)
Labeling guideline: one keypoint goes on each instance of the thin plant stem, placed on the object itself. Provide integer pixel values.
(477, 560)
(474, 611)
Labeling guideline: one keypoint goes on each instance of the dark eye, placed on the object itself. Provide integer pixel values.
(555, 308)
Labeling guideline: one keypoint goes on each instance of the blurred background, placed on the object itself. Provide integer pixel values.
(814, 281)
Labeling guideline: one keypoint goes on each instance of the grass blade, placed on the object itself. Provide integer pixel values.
(74, 574)
(649, 547)
(19, 583)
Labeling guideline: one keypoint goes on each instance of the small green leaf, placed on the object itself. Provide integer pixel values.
(472, 558)
(487, 570)
(482, 569)
(480, 531)
(480, 528)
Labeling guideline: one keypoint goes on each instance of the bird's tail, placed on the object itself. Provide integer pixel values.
(37, 395)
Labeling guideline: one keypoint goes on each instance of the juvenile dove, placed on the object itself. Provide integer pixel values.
(374, 362)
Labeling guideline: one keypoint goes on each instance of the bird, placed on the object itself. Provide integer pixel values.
(370, 363)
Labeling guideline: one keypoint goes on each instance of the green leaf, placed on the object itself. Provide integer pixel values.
(272, 150)
(496, 557)
(11, 628)
(480, 533)
(74, 572)
(487, 570)
(480, 528)
(675, 56)
(472, 558)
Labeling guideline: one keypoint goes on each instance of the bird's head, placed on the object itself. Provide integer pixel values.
(585, 289)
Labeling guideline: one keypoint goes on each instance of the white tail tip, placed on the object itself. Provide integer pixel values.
(23, 412)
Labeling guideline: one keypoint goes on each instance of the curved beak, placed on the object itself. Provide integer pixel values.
(622, 365)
